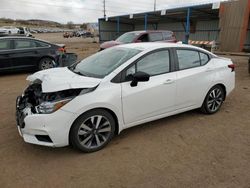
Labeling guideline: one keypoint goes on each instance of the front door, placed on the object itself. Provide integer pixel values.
(151, 98)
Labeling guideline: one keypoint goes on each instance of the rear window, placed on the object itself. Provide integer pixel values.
(5, 44)
(41, 44)
(204, 58)
(167, 35)
(155, 37)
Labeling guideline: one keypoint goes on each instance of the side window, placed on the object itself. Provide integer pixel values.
(204, 58)
(154, 64)
(155, 37)
(20, 44)
(143, 38)
(5, 45)
(188, 59)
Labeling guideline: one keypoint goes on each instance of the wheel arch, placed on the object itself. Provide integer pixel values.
(46, 56)
(42, 57)
(117, 128)
(223, 87)
(213, 85)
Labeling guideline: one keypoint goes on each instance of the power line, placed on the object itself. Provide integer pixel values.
(110, 4)
(148, 5)
(104, 9)
(119, 8)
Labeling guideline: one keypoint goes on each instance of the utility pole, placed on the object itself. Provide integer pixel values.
(154, 5)
(104, 9)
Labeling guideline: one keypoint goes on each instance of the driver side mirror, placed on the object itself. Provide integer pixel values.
(139, 77)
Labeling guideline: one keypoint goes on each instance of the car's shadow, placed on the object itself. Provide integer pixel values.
(126, 134)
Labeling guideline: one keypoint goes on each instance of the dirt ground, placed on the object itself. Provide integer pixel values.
(186, 150)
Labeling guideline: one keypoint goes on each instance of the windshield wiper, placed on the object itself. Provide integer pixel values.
(72, 67)
(77, 72)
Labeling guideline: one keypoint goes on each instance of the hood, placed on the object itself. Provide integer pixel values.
(58, 79)
(109, 44)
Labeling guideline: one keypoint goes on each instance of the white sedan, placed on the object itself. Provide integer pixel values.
(9, 30)
(86, 104)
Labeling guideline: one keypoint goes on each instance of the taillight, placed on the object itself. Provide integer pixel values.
(232, 67)
(63, 50)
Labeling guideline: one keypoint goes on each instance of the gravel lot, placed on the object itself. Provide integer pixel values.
(186, 150)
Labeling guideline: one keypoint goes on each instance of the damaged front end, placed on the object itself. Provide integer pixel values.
(35, 101)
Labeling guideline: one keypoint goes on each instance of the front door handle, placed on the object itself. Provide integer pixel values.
(169, 81)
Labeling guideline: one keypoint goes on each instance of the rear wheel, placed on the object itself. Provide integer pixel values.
(46, 63)
(92, 131)
(213, 100)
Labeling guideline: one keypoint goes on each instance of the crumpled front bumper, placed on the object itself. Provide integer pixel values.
(44, 129)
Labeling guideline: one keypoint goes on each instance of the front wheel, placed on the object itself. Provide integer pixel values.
(92, 131)
(213, 100)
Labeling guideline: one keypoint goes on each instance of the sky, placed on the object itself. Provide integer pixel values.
(81, 11)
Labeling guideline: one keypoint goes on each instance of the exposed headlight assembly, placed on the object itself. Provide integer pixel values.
(52, 106)
(49, 107)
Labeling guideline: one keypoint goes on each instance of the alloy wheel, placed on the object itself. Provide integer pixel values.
(215, 99)
(47, 64)
(94, 131)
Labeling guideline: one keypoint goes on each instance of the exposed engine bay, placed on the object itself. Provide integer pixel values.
(33, 98)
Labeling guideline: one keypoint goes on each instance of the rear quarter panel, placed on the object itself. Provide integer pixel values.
(223, 74)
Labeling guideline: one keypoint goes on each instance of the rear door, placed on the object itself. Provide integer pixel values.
(194, 76)
(25, 53)
(5, 48)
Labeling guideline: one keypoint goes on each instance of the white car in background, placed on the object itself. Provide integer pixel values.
(9, 30)
(85, 105)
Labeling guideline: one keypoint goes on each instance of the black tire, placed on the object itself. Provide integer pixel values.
(214, 100)
(84, 135)
(46, 63)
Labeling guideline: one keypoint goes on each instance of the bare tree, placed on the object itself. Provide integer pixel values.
(84, 26)
(70, 25)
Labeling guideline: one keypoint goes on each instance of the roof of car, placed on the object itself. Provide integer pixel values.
(150, 31)
(156, 45)
(16, 37)
(22, 37)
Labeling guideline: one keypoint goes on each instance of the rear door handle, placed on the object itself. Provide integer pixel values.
(169, 81)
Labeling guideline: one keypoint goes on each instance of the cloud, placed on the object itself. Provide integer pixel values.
(80, 11)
